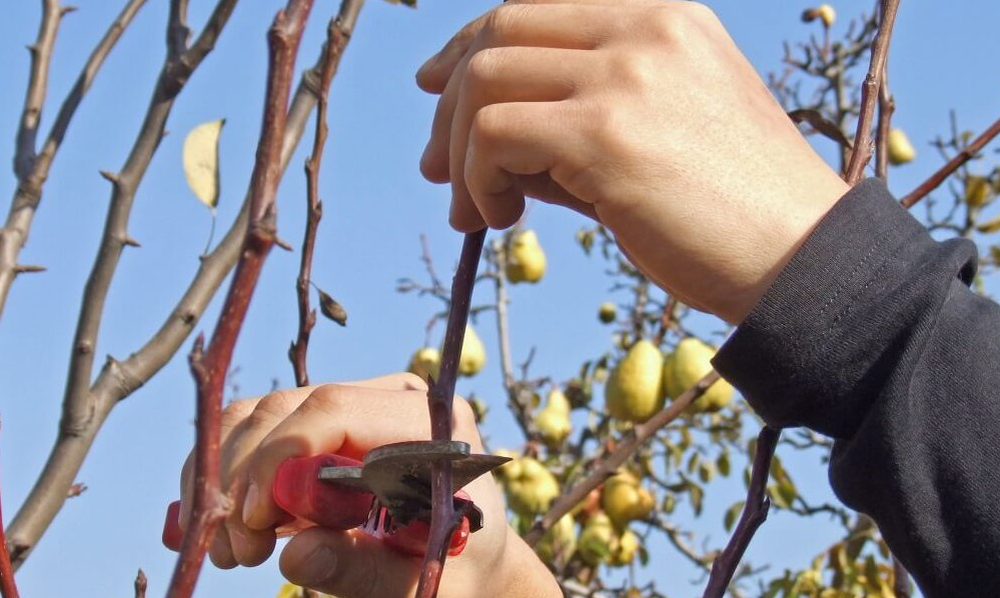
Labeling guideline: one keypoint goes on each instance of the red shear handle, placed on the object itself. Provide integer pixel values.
(308, 501)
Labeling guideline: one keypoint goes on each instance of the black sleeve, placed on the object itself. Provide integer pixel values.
(871, 335)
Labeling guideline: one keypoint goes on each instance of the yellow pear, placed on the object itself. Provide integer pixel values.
(607, 313)
(530, 486)
(690, 361)
(625, 549)
(510, 469)
(900, 149)
(473, 356)
(978, 191)
(826, 14)
(596, 541)
(426, 363)
(526, 260)
(625, 500)
(553, 421)
(633, 392)
(558, 542)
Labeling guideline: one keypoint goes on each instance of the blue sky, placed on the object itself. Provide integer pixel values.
(376, 206)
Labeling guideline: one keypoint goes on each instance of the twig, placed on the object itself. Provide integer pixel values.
(140, 584)
(118, 379)
(869, 93)
(31, 180)
(511, 385)
(440, 399)
(610, 464)
(209, 366)
(886, 107)
(41, 58)
(8, 588)
(959, 160)
(754, 514)
(337, 37)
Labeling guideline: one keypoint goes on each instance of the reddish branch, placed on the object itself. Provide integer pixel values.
(870, 92)
(440, 399)
(886, 107)
(140, 584)
(8, 589)
(609, 465)
(338, 35)
(967, 153)
(209, 366)
(754, 514)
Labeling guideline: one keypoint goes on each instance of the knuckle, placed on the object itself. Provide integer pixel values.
(328, 399)
(275, 406)
(487, 124)
(482, 67)
(669, 24)
(237, 411)
(501, 21)
(411, 381)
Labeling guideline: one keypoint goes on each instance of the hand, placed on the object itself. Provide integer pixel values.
(350, 419)
(642, 114)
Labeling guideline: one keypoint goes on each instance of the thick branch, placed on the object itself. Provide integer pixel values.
(28, 194)
(8, 588)
(118, 379)
(209, 505)
(967, 153)
(609, 465)
(337, 37)
(754, 513)
(869, 93)
(440, 399)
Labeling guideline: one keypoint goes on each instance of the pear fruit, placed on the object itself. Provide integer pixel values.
(826, 14)
(426, 363)
(597, 539)
(900, 149)
(689, 362)
(473, 356)
(607, 313)
(624, 549)
(525, 260)
(625, 500)
(530, 486)
(633, 391)
(553, 421)
(978, 191)
(559, 542)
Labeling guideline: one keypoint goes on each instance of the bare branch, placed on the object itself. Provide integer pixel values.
(118, 379)
(29, 189)
(338, 35)
(41, 58)
(959, 160)
(886, 106)
(209, 504)
(8, 588)
(609, 465)
(440, 399)
(754, 513)
(140, 584)
(869, 93)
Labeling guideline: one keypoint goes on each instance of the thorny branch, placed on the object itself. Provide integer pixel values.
(33, 169)
(870, 93)
(209, 366)
(609, 465)
(118, 379)
(754, 514)
(440, 400)
(951, 166)
(338, 35)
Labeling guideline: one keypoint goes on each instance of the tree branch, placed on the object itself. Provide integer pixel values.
(869, 93)
(754, 513)
(609, 465)
(31, 179)
(440, 399)
(8, 587)
(209, 504)
(140, 584)
(337, 37)
(951, 166)
(118, 379)
(886, 107)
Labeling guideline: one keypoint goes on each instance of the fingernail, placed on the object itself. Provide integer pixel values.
(239, 543)
(250, 502)
(318, 567)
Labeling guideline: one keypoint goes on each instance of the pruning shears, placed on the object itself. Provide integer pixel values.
(387, 494)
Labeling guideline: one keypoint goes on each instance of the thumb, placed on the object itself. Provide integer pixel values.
(348, 564)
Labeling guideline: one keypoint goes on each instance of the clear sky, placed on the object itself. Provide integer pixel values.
(944, 56)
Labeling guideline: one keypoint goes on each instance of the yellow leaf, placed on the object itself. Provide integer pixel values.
(201, 161)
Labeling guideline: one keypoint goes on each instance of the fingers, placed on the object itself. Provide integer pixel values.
(345, 420)
(351, 565)
(512, 139)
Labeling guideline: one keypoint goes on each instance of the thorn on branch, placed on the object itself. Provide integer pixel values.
(130, 242)
(140, 584)
(28, 269)
(111, 177)
(65, 10)
(283, 244)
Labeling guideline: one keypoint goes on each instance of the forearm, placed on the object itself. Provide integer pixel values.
(871, 336)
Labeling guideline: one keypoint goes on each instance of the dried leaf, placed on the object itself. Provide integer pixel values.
(200, 156)
(331, 309)
(990, 226)
(822, 126)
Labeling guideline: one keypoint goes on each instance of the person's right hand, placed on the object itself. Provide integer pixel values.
(350, 419)
(642, 114)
